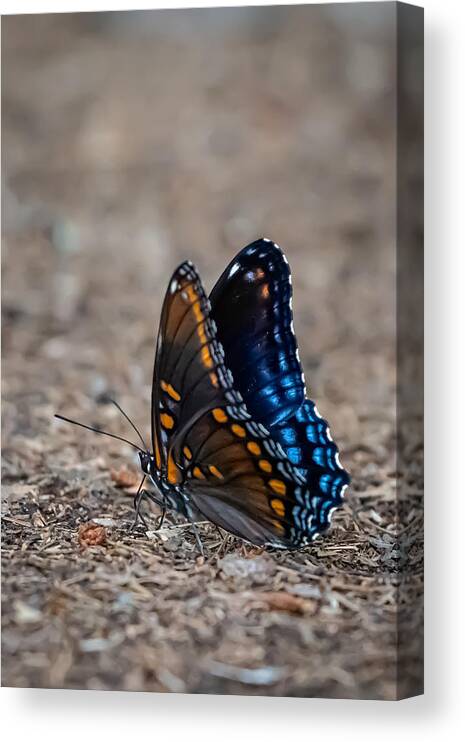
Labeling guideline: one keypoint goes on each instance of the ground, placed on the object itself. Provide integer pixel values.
(132, 143)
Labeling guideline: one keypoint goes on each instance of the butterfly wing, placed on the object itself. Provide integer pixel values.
(252, 307)
(188, 363)
(307, 442)
(227, 465)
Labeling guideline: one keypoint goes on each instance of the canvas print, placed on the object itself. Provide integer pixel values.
(212, 306)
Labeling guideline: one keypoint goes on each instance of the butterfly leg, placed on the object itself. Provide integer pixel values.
(159, 503)
(137, 505)
(139, 496)
(162, 516)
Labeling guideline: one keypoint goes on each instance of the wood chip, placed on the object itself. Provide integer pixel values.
(124, 477)
(281, 601)
(91, 534)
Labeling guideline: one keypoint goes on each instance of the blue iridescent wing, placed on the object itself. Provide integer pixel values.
(252, 307)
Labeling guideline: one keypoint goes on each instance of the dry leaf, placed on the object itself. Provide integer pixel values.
(281, 601)
(124, 477)
(92, 535)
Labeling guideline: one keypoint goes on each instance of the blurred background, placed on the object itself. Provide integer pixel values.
(135, 140)
(132, 141)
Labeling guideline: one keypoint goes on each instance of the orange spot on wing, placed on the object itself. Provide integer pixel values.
(169, 389)
(265, 465)
(173, 473)
(197, 473)
(278, 506)
(166, 420)
(238, 430)
(157, 454)
(266, 291)
(277, 486)
(187, 452)
(216, 472)
(219, 415)
(205, 354)
(214, 379)
(254, 448)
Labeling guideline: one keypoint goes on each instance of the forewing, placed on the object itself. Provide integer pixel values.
(188, 363)
(252, 307)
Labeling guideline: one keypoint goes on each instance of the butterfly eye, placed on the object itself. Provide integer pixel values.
(145, 462)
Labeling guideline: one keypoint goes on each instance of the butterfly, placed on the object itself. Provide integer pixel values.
(235, 440)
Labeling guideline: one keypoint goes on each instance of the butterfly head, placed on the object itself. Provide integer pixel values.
(146, 462)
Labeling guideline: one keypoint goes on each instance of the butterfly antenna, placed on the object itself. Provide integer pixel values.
(129, 421)
(102, 432)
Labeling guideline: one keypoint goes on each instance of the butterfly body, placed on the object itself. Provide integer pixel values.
(235, 439)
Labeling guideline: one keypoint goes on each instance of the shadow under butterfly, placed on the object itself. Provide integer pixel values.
(235, 439)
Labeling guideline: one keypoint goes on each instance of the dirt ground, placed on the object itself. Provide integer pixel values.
(132, 142)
